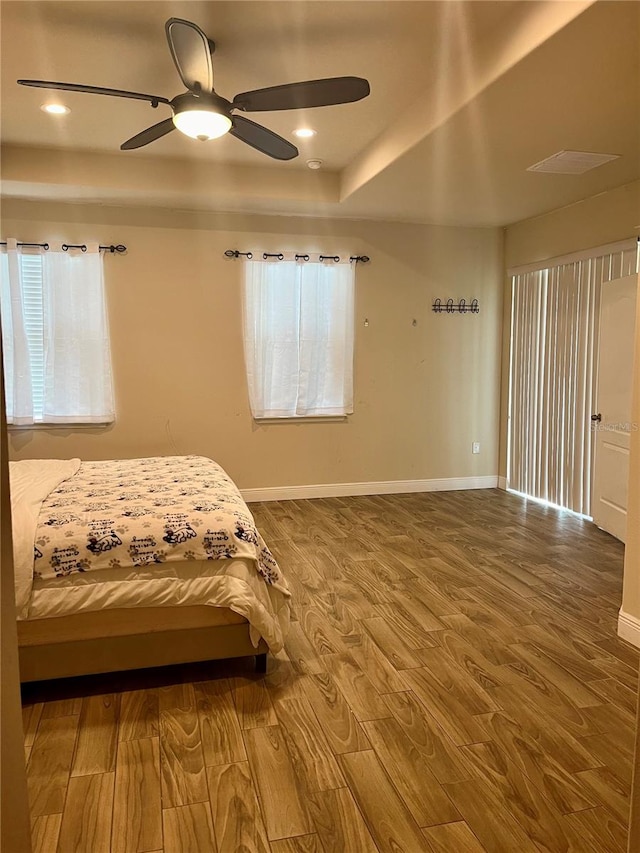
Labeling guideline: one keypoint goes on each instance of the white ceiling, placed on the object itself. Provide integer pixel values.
(464, 96)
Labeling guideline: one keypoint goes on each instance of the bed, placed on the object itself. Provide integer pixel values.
(125, 564)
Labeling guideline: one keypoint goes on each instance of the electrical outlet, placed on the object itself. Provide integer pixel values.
(475, 447)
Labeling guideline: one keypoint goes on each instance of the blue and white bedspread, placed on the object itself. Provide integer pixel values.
(137, 512)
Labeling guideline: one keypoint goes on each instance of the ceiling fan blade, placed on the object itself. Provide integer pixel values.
(262, 139)
(310, 93)
(191, 54)
(93, 90)
(150, 134)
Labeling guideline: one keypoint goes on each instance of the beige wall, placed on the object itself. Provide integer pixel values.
(631, 591)
(605, 218)
(15, 835)
(423, 394)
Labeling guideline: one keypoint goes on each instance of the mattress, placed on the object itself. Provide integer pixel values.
(231, 584)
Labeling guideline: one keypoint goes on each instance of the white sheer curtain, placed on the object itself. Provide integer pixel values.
(17, 365)
(78, 386)
(55, 336)
(553, 373)
(298, 337)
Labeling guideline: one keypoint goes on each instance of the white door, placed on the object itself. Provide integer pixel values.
(613, 406)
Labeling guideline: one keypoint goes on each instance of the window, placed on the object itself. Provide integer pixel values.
(57, 359)
(298, 337)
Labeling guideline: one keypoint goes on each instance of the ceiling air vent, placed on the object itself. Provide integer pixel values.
(571, 162)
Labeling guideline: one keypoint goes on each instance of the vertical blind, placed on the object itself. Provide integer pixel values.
(31, 264)
(553, 375)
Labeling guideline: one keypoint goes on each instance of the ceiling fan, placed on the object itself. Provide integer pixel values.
(203, 114)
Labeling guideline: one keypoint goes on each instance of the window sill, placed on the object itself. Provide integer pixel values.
(314, 419)
(41, 426)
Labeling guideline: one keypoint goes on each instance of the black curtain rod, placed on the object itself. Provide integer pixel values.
(234, 253)
(66, 246)
(45, 246)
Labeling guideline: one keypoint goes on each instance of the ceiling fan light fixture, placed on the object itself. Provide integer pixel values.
(201, 115)
(202, 124)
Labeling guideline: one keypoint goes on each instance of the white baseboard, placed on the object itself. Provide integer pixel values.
(385, 487)
(629, 628)
(502, 483)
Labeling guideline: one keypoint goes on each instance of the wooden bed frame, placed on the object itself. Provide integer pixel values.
(132, 638)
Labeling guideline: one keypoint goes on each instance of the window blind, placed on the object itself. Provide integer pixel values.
(32, 310)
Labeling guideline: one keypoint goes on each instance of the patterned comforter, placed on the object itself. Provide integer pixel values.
(138, 512)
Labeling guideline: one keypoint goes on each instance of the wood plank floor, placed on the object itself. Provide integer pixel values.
(452, 682)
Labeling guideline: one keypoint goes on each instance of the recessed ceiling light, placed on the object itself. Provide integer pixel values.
(304, 132)
(314, 164)
(55, 109)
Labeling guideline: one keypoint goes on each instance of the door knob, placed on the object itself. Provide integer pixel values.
(597, 417)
